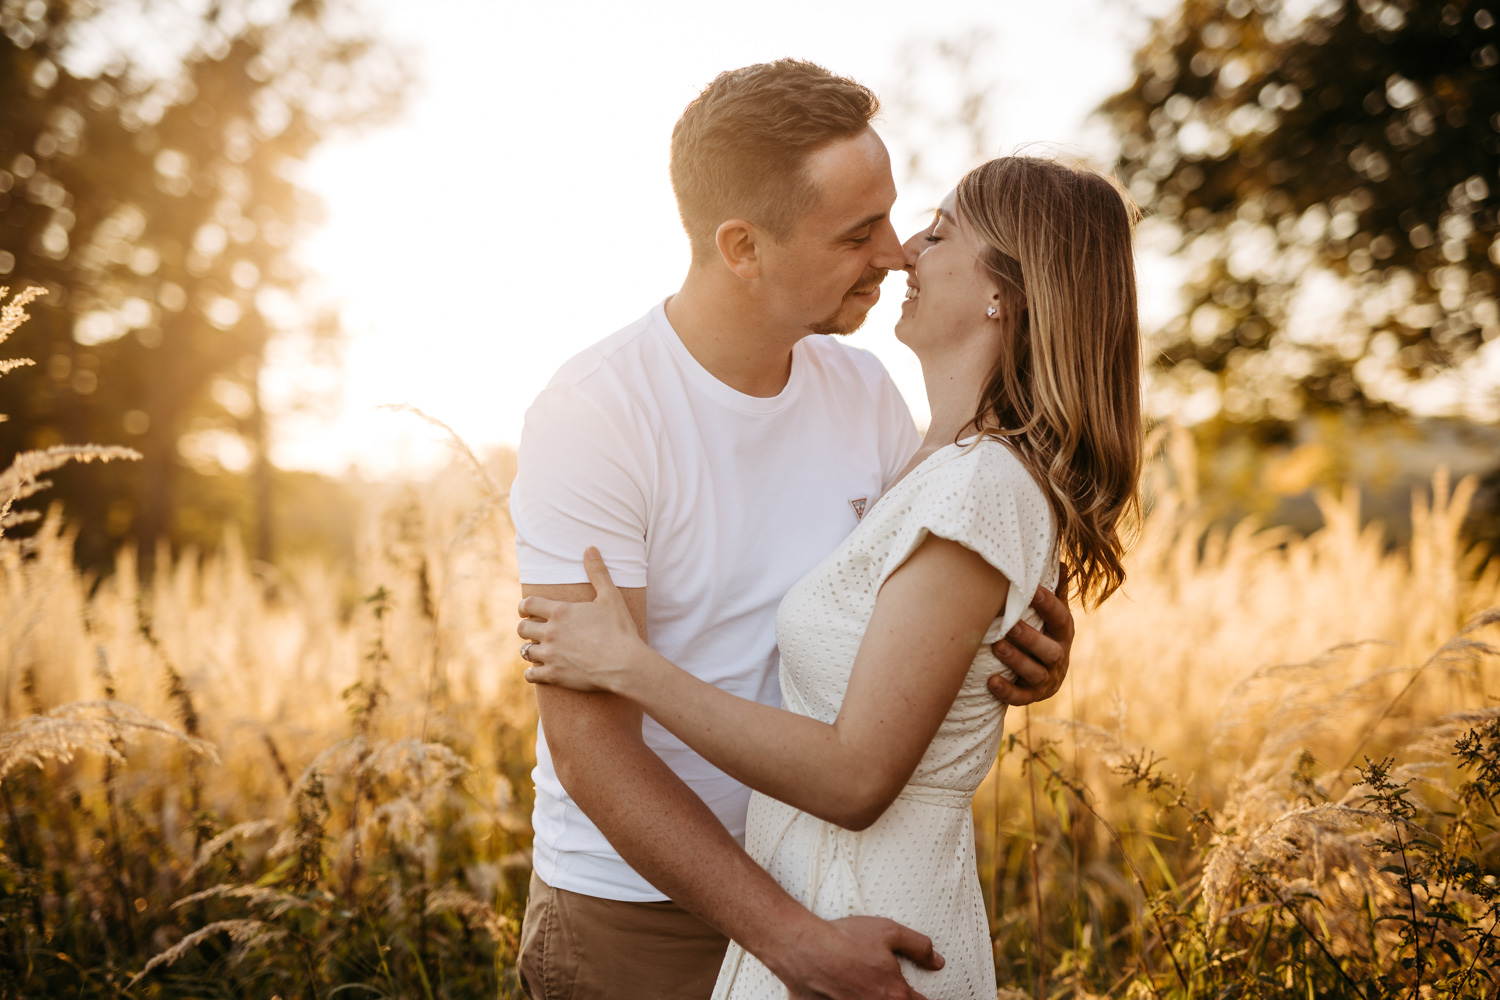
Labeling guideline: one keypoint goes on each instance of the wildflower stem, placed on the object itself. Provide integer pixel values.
(1073, 838)
(1411, 896)
(38, 919)
(1479, 949)
(1311, 936)
(1135, 873)
(995, 845)
(1036, 880)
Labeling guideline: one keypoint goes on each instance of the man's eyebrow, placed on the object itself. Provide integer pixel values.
(863, 224)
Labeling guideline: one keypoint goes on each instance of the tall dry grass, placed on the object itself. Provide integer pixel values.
(345, 795)
(313, 781)
(1217, 802)
(249, 781)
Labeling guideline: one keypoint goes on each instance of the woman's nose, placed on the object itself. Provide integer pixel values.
(912, 249)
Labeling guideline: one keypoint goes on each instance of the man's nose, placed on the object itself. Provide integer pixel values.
(889, 253)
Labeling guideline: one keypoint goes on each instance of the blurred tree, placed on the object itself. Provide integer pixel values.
(1330, 168)
(148, 156)
(932, 136)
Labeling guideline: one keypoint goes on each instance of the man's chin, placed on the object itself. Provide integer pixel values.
(842, 323)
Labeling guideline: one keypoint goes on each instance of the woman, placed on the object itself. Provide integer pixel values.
(1021, 308)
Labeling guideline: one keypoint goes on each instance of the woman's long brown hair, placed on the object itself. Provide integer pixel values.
(1066, 389)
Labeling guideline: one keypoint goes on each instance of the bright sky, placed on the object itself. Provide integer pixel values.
(521, 208)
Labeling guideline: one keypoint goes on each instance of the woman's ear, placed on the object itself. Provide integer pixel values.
(738, 243)
(1007, 301)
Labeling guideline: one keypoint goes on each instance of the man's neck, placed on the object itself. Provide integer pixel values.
(724, 331)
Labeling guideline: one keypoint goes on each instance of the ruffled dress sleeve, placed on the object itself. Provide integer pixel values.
(984, 499)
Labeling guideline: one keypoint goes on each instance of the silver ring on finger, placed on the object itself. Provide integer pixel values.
(526, 651)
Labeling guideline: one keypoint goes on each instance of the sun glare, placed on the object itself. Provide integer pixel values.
(520, 209)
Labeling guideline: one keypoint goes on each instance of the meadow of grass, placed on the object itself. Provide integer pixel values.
(1273, 770)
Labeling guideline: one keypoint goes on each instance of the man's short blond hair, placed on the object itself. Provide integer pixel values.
(741, 147)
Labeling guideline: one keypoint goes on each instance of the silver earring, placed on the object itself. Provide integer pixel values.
(990, 312)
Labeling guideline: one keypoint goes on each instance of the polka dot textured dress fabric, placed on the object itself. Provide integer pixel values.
(916, 863)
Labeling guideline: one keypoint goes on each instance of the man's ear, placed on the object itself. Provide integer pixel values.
(739, 245)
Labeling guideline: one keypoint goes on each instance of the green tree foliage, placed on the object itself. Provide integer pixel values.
(1332, 171)
(148, 159)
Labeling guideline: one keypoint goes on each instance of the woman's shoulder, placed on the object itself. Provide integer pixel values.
(981, 495)
(987, 465)
(983, 485)
(973, 477)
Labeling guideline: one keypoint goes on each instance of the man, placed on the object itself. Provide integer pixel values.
(714, 451)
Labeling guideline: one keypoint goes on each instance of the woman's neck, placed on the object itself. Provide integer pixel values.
(954, 387)
(953, 391)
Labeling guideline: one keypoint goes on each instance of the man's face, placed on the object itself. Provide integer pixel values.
(826, 275)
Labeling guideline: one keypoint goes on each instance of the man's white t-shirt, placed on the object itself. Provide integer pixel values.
(716, 502)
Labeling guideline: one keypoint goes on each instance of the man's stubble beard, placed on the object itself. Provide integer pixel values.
(835, 325)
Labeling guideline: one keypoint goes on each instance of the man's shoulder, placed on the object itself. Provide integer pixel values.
(603, 388)
(603, 361)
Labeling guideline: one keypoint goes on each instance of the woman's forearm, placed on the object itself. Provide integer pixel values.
(939, 603)
(789, 757)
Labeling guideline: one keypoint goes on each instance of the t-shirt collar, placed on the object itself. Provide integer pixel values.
(706, 382)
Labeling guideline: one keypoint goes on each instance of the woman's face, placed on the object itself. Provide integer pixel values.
(948, 290)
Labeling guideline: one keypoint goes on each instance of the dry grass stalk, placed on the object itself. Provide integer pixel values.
(247, 933)
(277, 903)
(13, 313)
(450, 899)
(240, 831)
(22, 479)
(91, 726)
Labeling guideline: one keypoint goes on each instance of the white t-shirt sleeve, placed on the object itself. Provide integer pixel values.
(579, 482)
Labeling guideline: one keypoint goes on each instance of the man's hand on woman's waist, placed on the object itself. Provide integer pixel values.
(1038, 659)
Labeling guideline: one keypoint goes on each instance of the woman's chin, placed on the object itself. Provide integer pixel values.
(904, 329)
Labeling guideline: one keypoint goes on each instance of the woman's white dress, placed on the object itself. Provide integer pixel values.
(916, 863)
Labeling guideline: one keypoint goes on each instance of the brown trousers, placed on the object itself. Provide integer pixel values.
(577, 947)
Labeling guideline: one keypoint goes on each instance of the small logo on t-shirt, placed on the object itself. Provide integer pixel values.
(859, 507)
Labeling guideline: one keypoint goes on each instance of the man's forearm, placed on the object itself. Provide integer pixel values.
(667, 834)
(658, 825)
(651, 817)
(670, 837)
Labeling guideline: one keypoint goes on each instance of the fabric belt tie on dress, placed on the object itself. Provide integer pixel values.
(948, 798)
